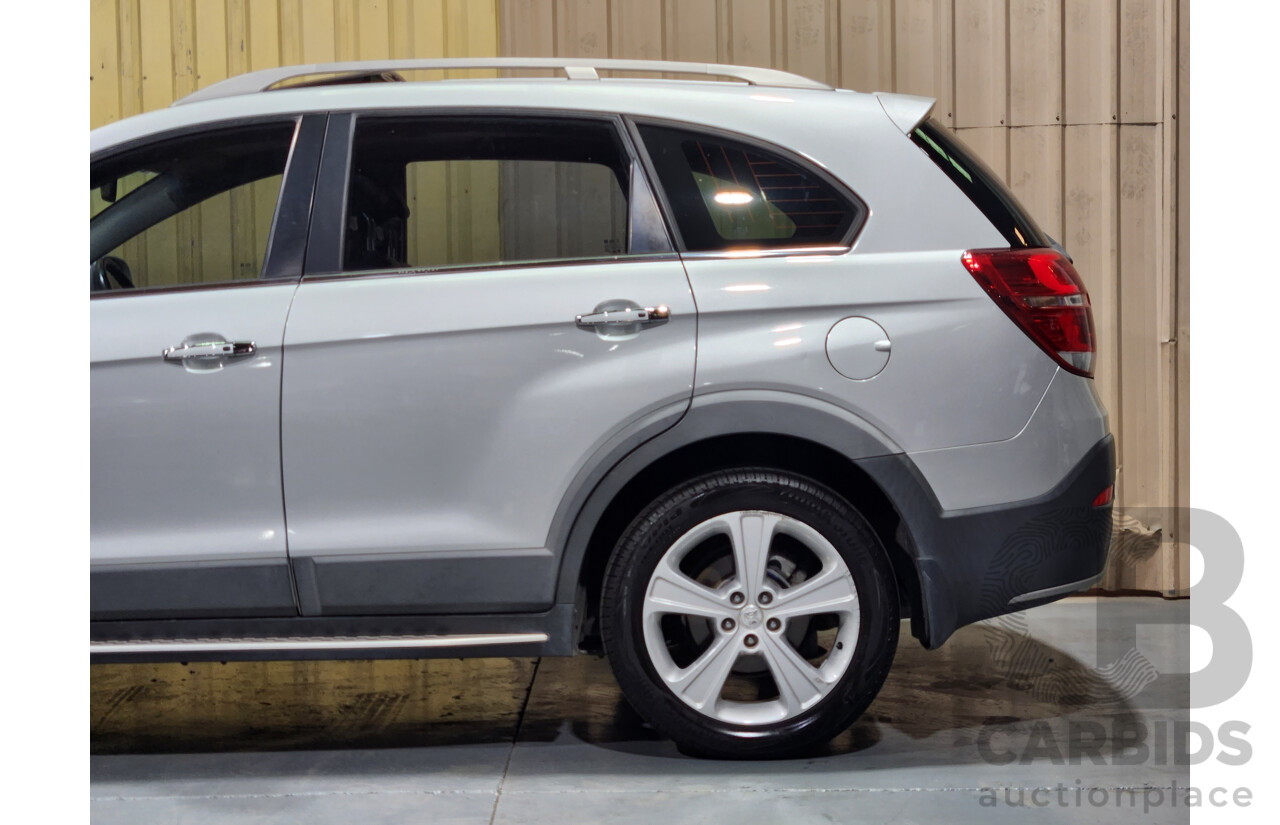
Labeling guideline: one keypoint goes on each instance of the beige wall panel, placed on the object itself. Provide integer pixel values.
(752, 32)
(528, 28)
(925, 51)
(129, 34)
(1144, 436)
(991, 144)
(264, 34)
(211, 42)
(1142, 60)
(428, 33)
(1035, 62)
(1090, 234)
(156, 54)
(690, 30)
(982, 82)
(472, 31)
(636, 30)
(1182, 450)
(344, 31)
(291, 32)
(1035, 173)
(1092, 60)
(1171, 563)
(810, 45)
(399, 17)
(373, 29)
(319, 41)
(866, 45)
(237, 38)
(582, 28)
(104, 63)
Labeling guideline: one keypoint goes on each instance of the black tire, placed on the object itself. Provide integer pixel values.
(644, 543)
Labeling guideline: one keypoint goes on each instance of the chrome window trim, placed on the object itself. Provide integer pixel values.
(749, 254)
(177, 288)
(414, 272)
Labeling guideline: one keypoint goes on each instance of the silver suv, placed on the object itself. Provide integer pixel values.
(719, 379)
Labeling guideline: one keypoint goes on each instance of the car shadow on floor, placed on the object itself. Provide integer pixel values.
(935, 708)
(991, 684)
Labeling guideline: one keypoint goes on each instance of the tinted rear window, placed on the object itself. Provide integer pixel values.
(980, 184)
(728, 194)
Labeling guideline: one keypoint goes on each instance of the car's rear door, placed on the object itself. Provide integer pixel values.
(197, 241)
(440, 394)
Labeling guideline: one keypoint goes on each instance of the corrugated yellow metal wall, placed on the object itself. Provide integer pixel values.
(1080, 104)
(144, 54)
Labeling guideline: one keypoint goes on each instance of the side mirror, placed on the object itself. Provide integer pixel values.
(108, 191)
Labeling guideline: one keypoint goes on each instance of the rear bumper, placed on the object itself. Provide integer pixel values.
(977, 563)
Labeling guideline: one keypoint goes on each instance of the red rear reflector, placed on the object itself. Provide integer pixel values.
(1104, 498)
(1043, 294)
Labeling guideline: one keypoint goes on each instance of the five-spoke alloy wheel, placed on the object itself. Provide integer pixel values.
(749, 613)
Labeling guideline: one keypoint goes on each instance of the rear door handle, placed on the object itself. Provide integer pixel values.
(210, 349)
(646, 316)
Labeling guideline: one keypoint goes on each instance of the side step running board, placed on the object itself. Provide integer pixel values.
(289, 647)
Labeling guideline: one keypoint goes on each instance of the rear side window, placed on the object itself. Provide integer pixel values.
(728, 195)
(429, 192)
(980, 185)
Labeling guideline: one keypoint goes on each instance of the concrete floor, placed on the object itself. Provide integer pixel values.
(1054, 690)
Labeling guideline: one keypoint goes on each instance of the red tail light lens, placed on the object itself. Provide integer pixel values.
(1104, 498)
(1043, 294)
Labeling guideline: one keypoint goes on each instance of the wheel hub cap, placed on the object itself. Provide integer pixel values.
(751, 617)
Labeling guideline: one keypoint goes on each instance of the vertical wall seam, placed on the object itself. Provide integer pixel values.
(893, 45)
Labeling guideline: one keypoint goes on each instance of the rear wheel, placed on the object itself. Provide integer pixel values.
(749, 614)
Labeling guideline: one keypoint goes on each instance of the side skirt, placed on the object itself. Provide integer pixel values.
(348, 637)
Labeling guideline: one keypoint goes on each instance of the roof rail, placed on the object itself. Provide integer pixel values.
(575, 68)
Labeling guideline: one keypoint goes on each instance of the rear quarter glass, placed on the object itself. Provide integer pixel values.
(981, 185)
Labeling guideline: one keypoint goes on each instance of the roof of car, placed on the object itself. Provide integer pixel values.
(752, 97)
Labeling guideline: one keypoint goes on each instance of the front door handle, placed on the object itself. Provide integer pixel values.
(210, 349)
(646, 316)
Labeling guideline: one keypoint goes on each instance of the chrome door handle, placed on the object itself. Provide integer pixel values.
(629, 315)
(210, 349)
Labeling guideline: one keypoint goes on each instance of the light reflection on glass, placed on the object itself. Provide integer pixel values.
(733, 198)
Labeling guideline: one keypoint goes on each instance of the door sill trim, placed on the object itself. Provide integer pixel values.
(284, 645)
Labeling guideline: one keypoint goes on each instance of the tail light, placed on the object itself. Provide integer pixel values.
(1043, 294)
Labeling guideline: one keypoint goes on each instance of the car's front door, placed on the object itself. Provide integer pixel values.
(196, 249)
(441, 394)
